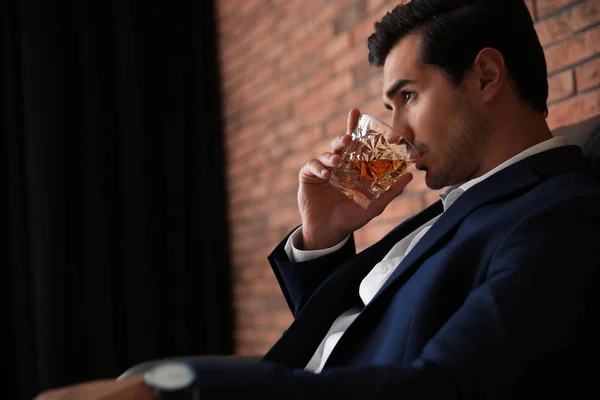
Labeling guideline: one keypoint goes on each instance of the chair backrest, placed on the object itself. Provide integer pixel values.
(585, 134)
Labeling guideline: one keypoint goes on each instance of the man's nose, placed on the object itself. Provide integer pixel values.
(403, 129)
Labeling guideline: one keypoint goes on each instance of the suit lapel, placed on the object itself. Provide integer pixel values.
(506, 182)
(336, 295)
(339, 292)
(514, 178)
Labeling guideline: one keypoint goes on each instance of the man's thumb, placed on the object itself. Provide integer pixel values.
(394, 191)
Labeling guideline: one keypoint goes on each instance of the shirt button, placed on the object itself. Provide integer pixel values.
(383, 269)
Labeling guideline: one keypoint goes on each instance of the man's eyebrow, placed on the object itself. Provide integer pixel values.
(399, 84)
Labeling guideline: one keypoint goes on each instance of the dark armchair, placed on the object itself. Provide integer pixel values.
(145, 366)
(585, 134)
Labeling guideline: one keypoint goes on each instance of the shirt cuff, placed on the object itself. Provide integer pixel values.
(295, 255)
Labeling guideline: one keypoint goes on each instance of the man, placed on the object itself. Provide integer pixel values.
(488, 293)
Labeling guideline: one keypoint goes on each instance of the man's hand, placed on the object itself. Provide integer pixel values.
(125, 389)
(328, 216)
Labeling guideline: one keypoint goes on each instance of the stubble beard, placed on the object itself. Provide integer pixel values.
(465, 141)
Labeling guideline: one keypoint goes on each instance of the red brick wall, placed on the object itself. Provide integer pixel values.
(291, 70)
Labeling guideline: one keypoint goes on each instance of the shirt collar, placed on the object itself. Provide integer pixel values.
(452, 193)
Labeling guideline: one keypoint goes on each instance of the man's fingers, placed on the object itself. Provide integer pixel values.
(330, 160)
(314, 169)
(321, 168)
(398, 187)
(353, 117)
(395, 190)
(132, 388)
(340, 143)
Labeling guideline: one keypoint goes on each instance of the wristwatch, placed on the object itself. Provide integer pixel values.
(172, 380)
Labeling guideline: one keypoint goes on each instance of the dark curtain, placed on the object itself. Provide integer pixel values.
(114, 246)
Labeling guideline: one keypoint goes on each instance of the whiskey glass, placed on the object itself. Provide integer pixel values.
(373, 162)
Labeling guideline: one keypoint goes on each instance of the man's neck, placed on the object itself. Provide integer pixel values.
(513, 137)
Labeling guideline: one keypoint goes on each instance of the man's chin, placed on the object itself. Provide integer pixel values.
(434, 182)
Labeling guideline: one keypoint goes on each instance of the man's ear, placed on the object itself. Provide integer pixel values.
(490, 70)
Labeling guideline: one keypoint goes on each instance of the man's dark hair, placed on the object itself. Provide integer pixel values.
(454, 31)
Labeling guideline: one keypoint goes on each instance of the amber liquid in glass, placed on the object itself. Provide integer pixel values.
(380, 170)
(369, 167)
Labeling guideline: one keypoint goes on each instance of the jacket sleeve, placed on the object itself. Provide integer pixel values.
(298, 281)
(535, 298)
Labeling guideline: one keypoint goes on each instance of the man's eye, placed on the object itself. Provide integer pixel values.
(407, 95)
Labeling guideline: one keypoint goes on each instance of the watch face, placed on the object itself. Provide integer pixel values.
(170, 376)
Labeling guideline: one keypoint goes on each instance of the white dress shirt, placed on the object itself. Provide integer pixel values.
(375, 279)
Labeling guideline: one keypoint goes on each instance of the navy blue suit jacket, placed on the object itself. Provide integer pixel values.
(497, 300)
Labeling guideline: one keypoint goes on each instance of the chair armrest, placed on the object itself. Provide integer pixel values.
(145, 366)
